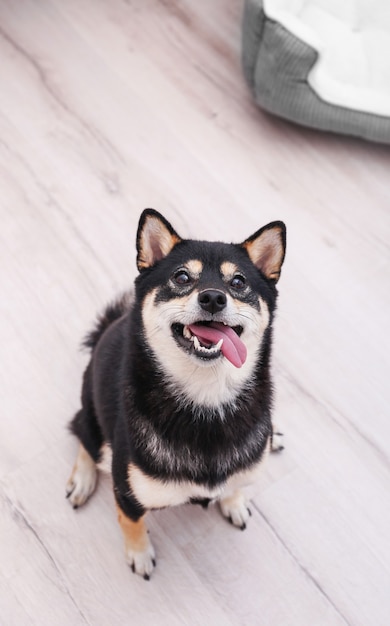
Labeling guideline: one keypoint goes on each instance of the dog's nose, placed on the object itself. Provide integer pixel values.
(212, 300)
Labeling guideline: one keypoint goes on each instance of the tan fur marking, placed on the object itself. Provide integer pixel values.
(195, 267)
(265, 315)
(228, 270)
(134, 533)
(83, 458)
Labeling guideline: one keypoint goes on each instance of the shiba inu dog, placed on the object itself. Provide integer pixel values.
(178, 389)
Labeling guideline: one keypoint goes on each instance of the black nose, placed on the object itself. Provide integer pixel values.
(212, 300)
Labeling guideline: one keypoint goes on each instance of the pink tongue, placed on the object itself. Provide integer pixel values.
(232, 348)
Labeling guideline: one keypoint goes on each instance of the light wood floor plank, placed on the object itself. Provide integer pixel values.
(107, 107)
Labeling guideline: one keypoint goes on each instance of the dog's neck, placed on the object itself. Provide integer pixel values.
(213, 387)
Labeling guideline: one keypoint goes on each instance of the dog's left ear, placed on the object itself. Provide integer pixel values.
(155, 239)
(267, 248)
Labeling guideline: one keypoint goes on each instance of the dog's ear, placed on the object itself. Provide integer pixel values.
(155, 239)
(267, 248)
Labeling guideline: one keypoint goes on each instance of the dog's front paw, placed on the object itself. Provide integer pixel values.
(142, 562)
(235, 509)
(82, 481)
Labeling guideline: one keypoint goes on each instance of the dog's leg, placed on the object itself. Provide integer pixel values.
(234, 507)
(82, 481)
(140, 553)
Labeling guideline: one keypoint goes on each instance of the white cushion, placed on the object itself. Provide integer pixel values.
(352, 38)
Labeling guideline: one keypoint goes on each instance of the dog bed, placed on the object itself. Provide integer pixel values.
(321, 63)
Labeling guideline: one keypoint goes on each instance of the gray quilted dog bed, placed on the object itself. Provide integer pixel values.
(321, 64)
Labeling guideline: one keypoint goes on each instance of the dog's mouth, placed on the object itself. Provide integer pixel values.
(210, 340)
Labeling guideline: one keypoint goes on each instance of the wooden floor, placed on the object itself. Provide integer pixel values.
(110, 106)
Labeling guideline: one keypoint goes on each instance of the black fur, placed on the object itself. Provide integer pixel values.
(127, 401)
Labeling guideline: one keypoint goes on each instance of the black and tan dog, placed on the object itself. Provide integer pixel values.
(178, 388)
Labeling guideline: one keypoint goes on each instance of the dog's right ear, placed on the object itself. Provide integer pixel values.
(155, 239)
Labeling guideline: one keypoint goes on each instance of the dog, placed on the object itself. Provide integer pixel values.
(177, 393)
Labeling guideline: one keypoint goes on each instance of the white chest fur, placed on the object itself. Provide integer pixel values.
(153, 493)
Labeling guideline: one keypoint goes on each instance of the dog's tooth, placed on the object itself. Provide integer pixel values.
(218, 345)
(187, 333)
(199, 348)
(197, 345)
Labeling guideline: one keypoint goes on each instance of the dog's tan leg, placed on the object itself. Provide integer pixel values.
(234, 507)
(140, 553)
(82, 481)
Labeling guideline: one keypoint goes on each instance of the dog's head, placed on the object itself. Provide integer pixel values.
(206, 305)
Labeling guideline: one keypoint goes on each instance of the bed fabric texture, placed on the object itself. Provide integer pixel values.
(321, 63)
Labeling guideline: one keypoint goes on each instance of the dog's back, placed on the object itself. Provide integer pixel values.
(111, 313)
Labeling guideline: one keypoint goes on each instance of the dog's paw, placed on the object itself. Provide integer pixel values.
(142, 562)
(81, 486)
(235, 509)
(277, 442)
(82, 482)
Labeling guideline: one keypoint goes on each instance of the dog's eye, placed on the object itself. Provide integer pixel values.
(238, 282)
(181, 277)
